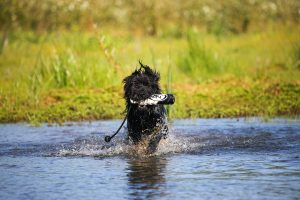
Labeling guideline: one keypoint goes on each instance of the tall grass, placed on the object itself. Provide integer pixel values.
(199, 62)
(77, 60)
(296, 55)
(69, 75)
(65, 68)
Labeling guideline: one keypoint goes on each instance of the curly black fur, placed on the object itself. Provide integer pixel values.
(149, 120)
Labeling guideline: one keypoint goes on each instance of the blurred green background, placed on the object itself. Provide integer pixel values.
(65, 60)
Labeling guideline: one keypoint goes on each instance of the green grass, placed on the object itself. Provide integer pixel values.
(78, 75)
(199, 62)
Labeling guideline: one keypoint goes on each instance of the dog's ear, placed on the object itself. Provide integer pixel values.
(148, 71)
(129, 78)
(152, 73)
(127, 84)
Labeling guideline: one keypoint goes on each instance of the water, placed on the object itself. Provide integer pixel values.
(202, 159)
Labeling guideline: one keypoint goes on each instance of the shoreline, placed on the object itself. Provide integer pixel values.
(225, 99)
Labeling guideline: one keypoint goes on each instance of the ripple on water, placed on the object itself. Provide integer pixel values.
(226, 158)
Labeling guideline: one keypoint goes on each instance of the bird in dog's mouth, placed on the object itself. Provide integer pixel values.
(146, 115)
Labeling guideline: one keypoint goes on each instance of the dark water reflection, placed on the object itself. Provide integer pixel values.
(146, 178)
(202, 159)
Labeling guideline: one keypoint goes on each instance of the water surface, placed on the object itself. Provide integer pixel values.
(201, 159)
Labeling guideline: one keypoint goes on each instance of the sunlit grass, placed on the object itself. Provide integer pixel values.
(33, 67)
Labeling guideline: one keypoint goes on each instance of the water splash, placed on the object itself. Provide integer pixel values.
(187, 137)
(94, 146)
(175, 143)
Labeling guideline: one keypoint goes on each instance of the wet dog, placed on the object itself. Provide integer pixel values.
(146, 115)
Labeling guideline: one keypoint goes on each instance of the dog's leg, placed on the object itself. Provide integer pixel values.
(156, 137)
(153, 143)
(165, 131)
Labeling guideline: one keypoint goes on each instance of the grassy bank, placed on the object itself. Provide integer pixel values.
(217, 98)
(77, 76)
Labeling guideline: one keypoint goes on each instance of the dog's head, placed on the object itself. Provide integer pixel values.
(141, 84)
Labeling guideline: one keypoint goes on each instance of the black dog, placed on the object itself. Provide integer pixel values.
(146, 116)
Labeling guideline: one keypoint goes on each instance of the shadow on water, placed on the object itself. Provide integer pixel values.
(146, 178)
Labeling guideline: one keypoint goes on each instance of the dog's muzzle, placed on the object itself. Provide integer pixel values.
(155, 99)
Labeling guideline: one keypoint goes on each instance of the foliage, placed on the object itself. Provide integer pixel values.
(151, 17)
(78, 75)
